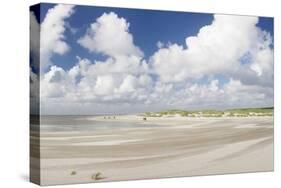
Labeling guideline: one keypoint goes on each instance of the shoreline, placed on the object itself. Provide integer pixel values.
(139, 118)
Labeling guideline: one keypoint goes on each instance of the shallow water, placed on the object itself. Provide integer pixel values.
(86, 123)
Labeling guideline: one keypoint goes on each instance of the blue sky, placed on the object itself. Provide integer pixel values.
(205, 60)
(147, 26)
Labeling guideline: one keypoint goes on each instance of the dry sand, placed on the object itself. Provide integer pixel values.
(177, 146)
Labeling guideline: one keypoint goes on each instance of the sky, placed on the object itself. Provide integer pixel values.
(97, 60)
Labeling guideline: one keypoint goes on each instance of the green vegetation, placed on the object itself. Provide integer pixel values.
(239, 112)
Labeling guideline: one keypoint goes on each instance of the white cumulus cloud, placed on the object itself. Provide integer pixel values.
(110, 35)
(218, 49)
(52, 38)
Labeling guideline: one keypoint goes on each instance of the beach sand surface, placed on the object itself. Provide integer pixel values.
(156, 148)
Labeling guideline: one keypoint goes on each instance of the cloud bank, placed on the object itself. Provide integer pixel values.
(229, 63)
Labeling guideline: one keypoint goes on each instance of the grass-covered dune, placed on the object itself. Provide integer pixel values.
(238, 112)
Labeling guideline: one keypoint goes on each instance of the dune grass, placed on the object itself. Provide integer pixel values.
(238, 112)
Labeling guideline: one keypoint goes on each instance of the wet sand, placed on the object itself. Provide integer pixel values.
(175, 146)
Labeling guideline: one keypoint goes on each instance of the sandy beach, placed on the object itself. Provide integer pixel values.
(156, 148)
